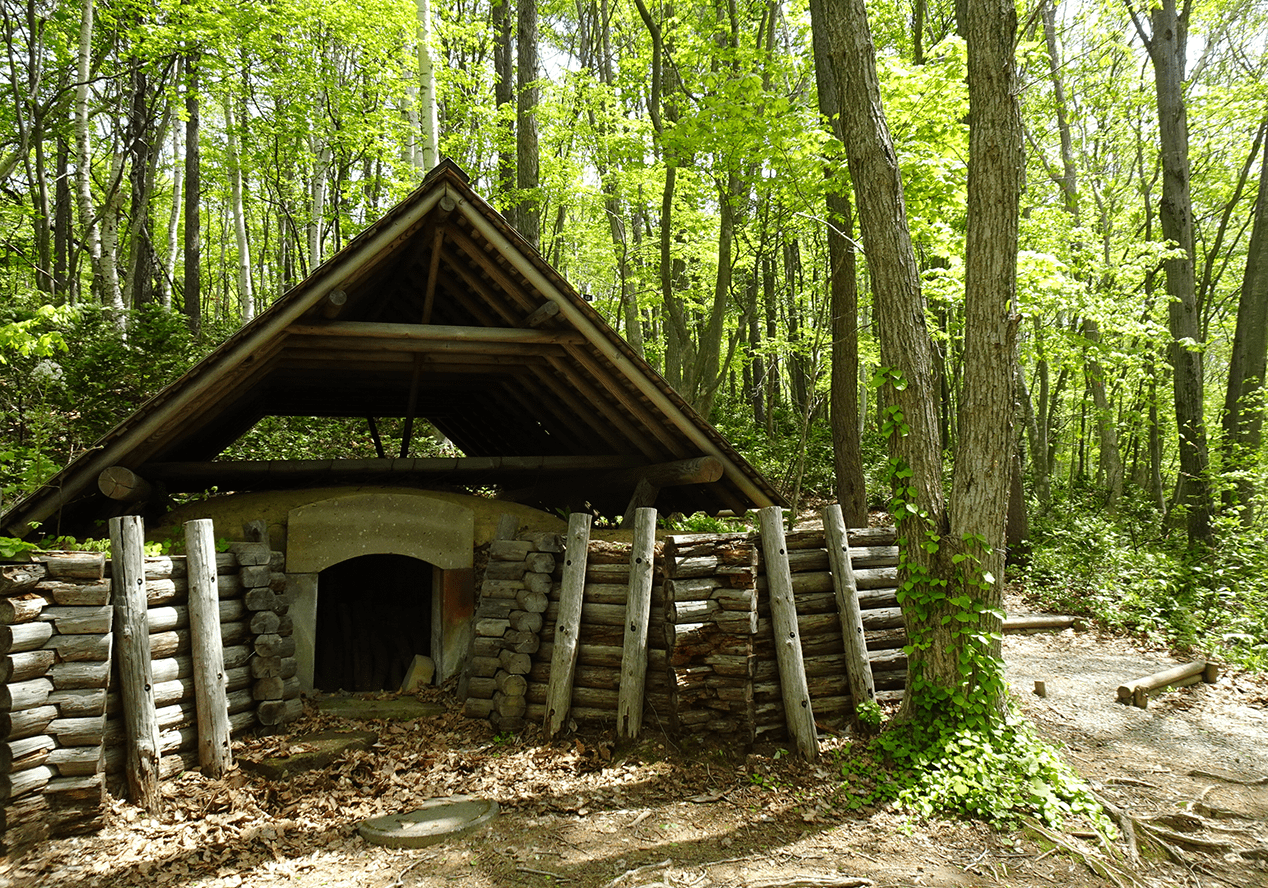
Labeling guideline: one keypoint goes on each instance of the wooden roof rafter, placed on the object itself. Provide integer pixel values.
(511, 358)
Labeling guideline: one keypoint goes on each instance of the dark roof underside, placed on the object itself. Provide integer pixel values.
(440, 312)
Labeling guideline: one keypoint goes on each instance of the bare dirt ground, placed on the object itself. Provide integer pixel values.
(585, 813)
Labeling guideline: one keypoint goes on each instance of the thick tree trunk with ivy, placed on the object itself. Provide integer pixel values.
(952, 560)
(911, 420)
(980, 491)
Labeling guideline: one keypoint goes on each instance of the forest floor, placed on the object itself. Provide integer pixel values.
(1191, 769)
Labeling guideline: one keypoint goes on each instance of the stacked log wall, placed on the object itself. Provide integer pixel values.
(874, 557)
(167, 597)
(271, 669)
(601, 638)
(62, 733)
(710, 630)
(509, 619)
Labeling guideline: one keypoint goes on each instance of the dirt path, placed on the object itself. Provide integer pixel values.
(691, 815)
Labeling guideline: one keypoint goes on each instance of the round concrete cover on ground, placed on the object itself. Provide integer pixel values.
(435, 821)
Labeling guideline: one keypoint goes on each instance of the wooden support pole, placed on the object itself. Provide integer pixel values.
(564, 659)
(214, 752)
(629, 709)
(127, 549)
(374, 436)
(792, 669)
(857, 666)
(123, 484)
(333, 304)
(643, 497)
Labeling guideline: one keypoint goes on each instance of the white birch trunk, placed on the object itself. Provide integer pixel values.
(317, 195)
(411, 148)
(173, 220)
(108, 246)
(246, 294)
(429, 128)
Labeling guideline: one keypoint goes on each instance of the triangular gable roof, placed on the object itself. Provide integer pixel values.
(441, 311)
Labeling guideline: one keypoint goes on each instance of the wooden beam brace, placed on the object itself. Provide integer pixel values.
(433, 269)
(198, 475)
(542, 314)
(365, 330)
(122, 484)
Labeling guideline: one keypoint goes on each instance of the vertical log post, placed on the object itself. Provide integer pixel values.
(564, 659)
(638, 605)
(214, 752)
(857, 666)
(132, 637)
(783, 609)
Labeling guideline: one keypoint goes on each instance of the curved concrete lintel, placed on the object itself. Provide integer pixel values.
(334, 530)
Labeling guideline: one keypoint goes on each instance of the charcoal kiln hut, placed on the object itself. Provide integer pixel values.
(439, 316)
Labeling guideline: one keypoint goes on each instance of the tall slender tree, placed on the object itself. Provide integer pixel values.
(1166, 40)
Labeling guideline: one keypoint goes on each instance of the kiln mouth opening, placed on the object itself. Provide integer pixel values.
(374, 615)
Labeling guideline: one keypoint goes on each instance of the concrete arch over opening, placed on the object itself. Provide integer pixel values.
(427, 528)
(336, 529)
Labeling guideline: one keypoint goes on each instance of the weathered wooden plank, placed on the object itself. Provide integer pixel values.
(792, 671)
(857, 666)
(135, 672)
(24, 694)
(629, 720)
(24, 636)
(76, 565)
(13, 786)
(15, 754)
(26, 722)
(564, 657)
(24, 666)
(23, 607)
(83, 620)
(18, 578)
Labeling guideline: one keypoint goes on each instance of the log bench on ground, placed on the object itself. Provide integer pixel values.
(1137, 691)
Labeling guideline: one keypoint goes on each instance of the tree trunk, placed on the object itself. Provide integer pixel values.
(847, 455)
(984, 445)
(528, 200)
(906, 349)
(1242, 421)
(503, 96)
(1111, 460)
(429, 125)
(83, 151)
(1166, 45)
(246, 293)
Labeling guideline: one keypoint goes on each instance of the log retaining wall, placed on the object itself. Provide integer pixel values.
(62, 736)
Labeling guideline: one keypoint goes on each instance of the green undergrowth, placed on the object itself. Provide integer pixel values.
(1130, 573)
(999, 775)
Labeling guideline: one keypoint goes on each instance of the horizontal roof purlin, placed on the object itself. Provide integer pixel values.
(510, 363)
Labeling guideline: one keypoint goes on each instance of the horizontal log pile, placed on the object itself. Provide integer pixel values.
(514, 597)
(62, 737)
(596, 678)
(167, 596)
(720, 639)
(711, 622)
